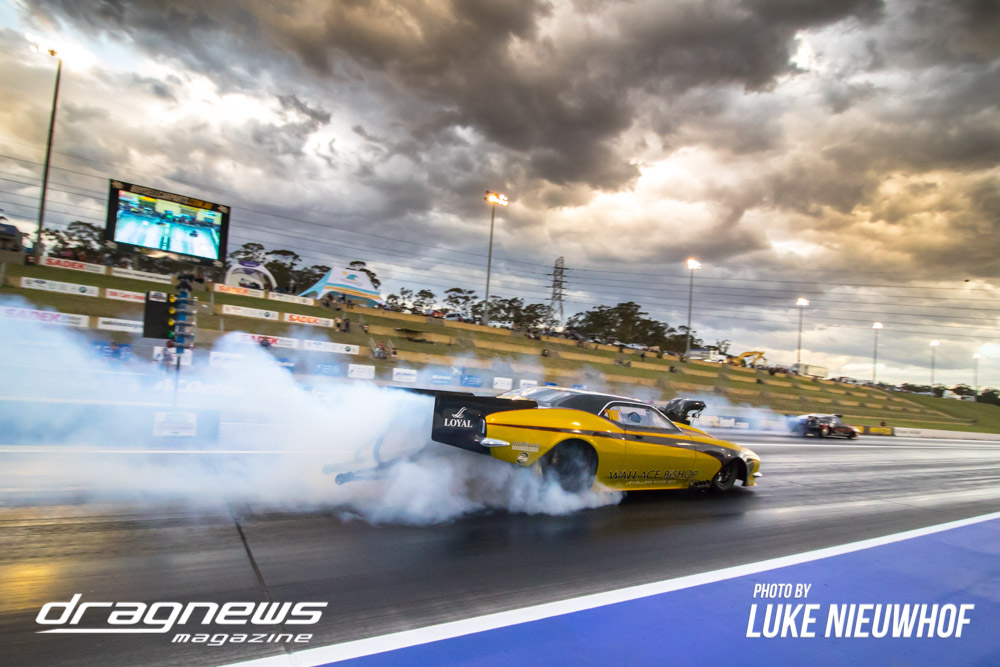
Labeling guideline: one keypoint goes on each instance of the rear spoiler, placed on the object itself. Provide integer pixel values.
(459, 418)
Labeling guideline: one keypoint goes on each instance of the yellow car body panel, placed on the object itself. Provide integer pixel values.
(627, 458)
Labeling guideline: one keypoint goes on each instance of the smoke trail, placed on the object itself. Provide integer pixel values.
(74, 425)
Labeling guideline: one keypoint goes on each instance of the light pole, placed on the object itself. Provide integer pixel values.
(802, 303)
(48, 146)
(934, 345)
(693, 265)
(975, 374)
(876, 327)
(493, 198)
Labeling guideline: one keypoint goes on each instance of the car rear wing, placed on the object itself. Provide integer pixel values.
(459, 419)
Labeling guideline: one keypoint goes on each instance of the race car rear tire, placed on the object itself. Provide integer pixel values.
(571, 465)
(725, 478)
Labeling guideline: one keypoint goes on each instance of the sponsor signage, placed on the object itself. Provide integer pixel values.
(175, 424)
(142, 275)
(114, 324)
(527, 384)
(361, 372)
(291, 298)
(257, 313)
(878, 430)
(308, 319)
(404, 375)
(124, 295)
(287, 364)
(471, 381)
(243, 291)
(225, 360)
(56, 286)
(46, 316)
(73, 265)
(440, 379)
(326, 368)
(503, 383)
(324, 346)
(104, 350)
(272, 341)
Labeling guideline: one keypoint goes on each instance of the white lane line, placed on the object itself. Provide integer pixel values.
(92, 450)
(398, 640)
(887, 447)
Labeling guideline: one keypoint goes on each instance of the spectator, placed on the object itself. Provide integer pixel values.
(347, 325)
(365, 327)
(115, 353)
(337, 323)
(167, 357)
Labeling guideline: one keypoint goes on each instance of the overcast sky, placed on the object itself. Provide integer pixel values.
(845, 151)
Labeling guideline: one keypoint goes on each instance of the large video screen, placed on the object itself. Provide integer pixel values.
(155, 222)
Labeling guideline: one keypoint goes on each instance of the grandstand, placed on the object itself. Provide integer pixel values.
(496, 357)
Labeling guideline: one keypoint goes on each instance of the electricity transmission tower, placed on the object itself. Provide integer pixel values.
(558, 281)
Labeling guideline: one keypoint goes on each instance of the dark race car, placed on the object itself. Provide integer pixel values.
(821, 426)
(682, 410)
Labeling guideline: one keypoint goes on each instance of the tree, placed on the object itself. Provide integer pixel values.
(306, 278)
(248, 252)
(627, 323)
(723, 346)
(422, 301)
(963, 390)
(358, 265)
(281, 264)
(989, 395)
(460, 300)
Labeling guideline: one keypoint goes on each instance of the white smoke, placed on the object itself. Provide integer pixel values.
(75, 425)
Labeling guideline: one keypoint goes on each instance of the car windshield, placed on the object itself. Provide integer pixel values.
(639, 416)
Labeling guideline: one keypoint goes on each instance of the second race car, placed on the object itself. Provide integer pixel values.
(822, 426)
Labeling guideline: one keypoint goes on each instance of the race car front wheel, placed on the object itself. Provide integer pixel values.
(571, 465)
(725, 478)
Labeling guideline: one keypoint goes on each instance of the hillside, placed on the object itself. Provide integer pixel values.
(428, 343)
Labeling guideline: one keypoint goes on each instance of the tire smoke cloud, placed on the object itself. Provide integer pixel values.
(76, 426)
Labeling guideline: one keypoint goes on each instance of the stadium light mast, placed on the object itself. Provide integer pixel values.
(38, 48)
(802, 303)
(876, 327)
(975, 374)
(493, 198)
(934, 346)
(693, 265)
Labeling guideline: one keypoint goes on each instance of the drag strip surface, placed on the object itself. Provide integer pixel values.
(388, 578)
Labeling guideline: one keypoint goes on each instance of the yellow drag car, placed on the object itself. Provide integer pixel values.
(585, 440)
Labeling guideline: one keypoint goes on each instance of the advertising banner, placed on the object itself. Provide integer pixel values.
(257, 313)
(404, 375)
(46, 316)
(271, 341)
(242, 291)
(471, 381)
(115, 324)
(308, 319)
(326, 368)
(125, 295)
(361, 372)
(175, 424)
(225, 360)
(324, 346)
(142, 275)
(56, 286)
(291, 298)
(527, 384)
(72, 264)
(503, 383)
